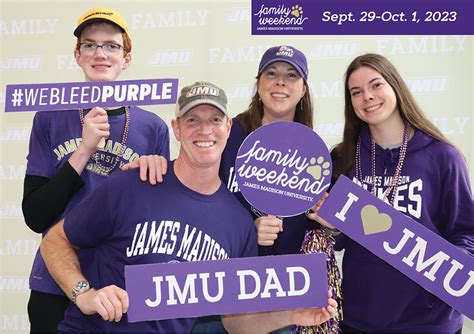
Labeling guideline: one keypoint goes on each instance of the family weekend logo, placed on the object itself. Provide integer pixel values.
(283, 168)
(280, 17)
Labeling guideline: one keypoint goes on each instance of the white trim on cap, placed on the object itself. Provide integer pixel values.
(181, 112)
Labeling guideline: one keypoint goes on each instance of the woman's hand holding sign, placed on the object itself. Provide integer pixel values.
(313, 213)
(268, 228)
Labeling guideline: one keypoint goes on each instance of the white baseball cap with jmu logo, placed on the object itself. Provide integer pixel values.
(201, 92)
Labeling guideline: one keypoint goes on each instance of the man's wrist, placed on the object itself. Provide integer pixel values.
(79, 288)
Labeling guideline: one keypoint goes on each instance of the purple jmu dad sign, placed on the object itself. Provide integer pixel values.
(192, 289)
(420, 254)
(82, 95)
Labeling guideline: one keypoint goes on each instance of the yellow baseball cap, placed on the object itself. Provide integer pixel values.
(100, 14)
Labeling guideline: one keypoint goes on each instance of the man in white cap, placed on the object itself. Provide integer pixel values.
(191, 197)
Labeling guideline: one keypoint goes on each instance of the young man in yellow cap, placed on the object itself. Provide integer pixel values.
(66, 161)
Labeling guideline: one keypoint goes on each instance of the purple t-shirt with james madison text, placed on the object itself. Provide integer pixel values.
(131, 222)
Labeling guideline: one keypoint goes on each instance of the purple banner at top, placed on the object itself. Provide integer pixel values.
(82, 95)
(362, 17)
(429, 260)
(254, 284)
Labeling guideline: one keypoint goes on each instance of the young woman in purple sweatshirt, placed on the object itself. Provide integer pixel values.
(388, 138)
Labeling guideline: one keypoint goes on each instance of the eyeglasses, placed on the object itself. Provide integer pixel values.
(109, 49)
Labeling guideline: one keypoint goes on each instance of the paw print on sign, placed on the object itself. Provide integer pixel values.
(296, 10)
(318, 168)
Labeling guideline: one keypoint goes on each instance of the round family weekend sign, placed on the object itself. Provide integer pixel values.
(283, 168)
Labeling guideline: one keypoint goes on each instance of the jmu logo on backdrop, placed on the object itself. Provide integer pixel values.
(171, 57)
(24, 63)
(238, 15)
(21, 247)
(14, 135)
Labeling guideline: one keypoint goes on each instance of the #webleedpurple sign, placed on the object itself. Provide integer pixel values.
(283, 168)
(420, 254)
(192, 289)
(77, 95)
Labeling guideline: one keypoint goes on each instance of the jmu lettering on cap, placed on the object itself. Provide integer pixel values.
(285, 51)
(203, 90)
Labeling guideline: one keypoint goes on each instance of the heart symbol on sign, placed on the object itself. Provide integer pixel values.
(373, 221)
